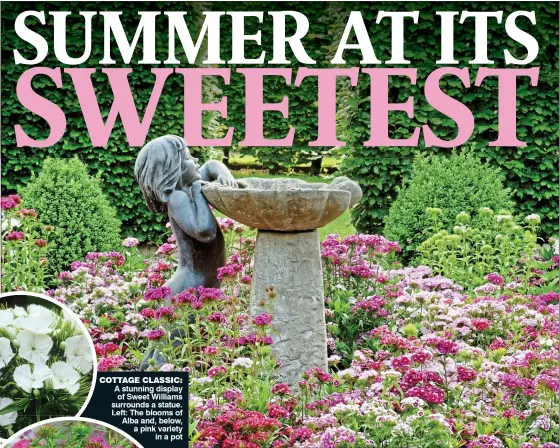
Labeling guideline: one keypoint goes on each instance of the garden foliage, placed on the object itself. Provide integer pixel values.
(460, 183)
(488, 242)
(72, 203)
(531, 171)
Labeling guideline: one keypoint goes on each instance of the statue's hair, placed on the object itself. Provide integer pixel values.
(158, 169)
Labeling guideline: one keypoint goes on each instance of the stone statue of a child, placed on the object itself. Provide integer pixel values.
(171, 182)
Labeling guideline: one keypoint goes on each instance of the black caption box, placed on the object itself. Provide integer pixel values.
(150, 406)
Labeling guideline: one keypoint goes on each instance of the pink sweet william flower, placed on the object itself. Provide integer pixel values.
(166, 248)
(24, 443)
(14, 236)
(167, 368)
(28, 213)
(233, 394)
(215, 371)
(495, 278)
(262, 319)
(480, 324)
(15, 198)
(8, 203)
(130, 329)
(157, 293)
(130, 242)
(421, 356)
(428, 393)
(465, 374)
(65, 276)
(486, 441)
(281, 389)
(110, 363)
(40, 242)
(497, 344)
(156, 335)
(277, 411)
(148, 312)
(210, 350)
(165, 313)
(443, 346)
(217, 317)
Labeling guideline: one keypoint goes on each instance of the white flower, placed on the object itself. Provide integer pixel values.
(65, 377)
(78, 353)
(534, 218)
(202, 380)
(333, 359)
(13, 221)
(39, 320)
(6, 353)
(28, 380)
(391, 374)
(20, 311)
(34, 347)
(242, 362)
(10, 417)
(402, 429)
(348, 373)
(167, 368)
(6, 318)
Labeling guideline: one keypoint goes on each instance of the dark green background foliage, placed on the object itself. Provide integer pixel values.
(531, 171)
(453, 184)
(72, 201)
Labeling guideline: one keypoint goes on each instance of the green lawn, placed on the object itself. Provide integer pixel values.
(238, 159)
(340, 225)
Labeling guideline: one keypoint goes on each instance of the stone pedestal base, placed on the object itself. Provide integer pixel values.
(291, 262)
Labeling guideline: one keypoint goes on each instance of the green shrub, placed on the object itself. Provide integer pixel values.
(72, 201)
(455, 184)
(479, 245)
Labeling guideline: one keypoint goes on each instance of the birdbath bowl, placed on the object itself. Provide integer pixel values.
(286, 214)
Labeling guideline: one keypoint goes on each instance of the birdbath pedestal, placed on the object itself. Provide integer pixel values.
(286, 214)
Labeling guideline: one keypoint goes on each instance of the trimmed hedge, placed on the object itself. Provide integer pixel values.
(531, 172)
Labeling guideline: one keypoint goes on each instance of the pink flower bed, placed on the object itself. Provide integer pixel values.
(416, 360)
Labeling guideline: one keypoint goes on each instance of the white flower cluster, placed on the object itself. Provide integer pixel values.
(42, 358)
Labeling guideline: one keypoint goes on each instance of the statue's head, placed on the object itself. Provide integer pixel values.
(164, 165)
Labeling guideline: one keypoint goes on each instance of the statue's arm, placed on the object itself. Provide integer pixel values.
(193, 215)
(214, 170)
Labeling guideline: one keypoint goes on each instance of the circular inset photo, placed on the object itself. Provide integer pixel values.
(71, 433)
(46, 361)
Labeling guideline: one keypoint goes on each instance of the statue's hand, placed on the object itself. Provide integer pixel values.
(198, 184)
(227, 180)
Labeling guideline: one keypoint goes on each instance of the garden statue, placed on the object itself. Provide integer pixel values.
(171, 182)
(286, 214)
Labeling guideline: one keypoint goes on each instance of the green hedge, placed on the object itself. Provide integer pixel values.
(531, 171)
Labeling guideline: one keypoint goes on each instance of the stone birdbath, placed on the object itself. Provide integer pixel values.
(286, 214)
